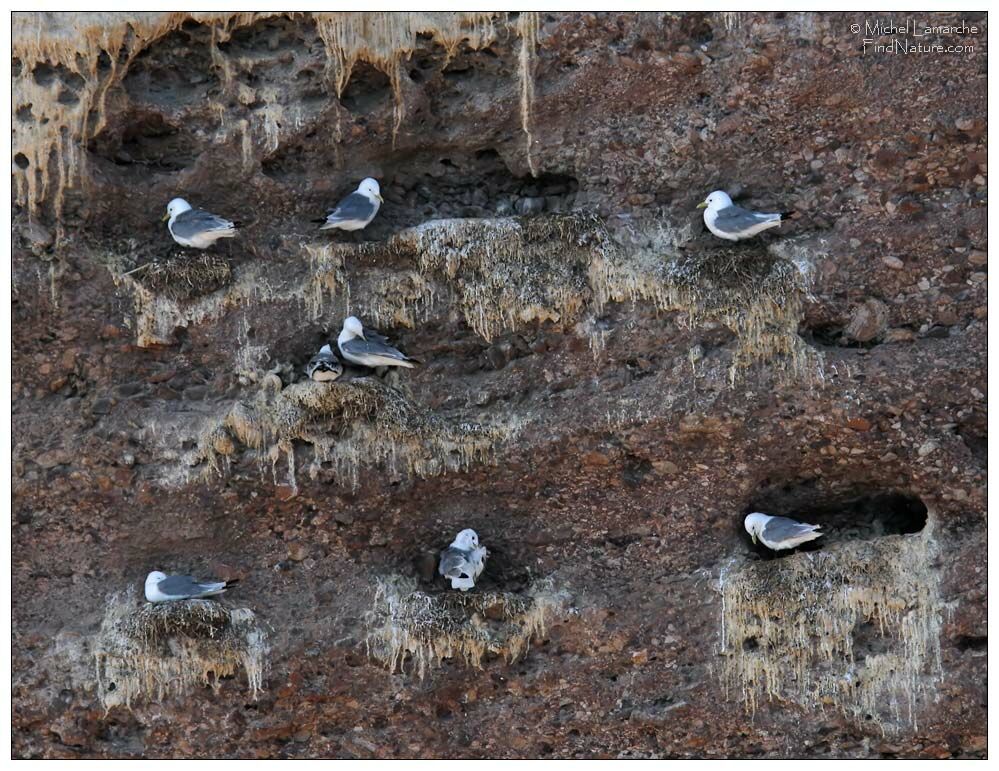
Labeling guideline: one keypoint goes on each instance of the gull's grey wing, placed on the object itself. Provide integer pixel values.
(735, 219)
(354, 207)
(188, 224)
(454, 563)
(186, 586)
(780, 529)
(358, 347)
(377, 337)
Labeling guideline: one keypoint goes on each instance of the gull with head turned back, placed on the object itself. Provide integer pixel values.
(366, 347)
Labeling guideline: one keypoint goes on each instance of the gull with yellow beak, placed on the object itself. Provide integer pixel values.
(196, 227)
(779, 533)
(356, 211)
(731, 222)
(368, 348)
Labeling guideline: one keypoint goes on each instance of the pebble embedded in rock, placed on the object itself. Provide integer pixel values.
(869, 321)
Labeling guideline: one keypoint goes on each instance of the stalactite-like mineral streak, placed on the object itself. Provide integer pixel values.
(54, 129)
(154, 651)
(433, 627)
(351, 425)
(801, 614)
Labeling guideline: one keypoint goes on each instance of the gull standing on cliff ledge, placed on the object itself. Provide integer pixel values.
(779, 533)
(356, 211)
(368, 348)
(196, 227)
(731, 222)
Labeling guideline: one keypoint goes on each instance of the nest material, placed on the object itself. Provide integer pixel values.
(752, 292)
(431, 627)
(500, 272)
(165, 649)
(349, 424)
(503, 273)
(792, 628)
(185, 277)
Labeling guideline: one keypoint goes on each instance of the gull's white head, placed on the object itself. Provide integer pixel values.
(353, 326)
(153, 579)
(369, 187)
(175, 207)
(755, 523)
(467, 539)
(716, 201)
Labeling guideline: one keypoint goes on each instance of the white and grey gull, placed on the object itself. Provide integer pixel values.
(463, 561)
(163, 588)
(780, 533)
(356, 211)
(731, 222)
(196, 227)
(363, 346)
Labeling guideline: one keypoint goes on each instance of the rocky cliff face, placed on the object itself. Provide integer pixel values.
(607, 390)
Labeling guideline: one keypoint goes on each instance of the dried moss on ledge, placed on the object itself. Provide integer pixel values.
(502, 272)
(155, 651)
(854, 626)
(184, 277)
(431, 627)
(751, 291)
(350, 424)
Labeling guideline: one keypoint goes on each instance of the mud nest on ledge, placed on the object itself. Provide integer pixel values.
(183, 277)
(349, 424)
(855, 626)
(432, 626)
(165, 649)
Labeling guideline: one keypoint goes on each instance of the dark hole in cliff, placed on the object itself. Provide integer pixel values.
(21, 160)
(43, 73)
(67, 96)
(869, 639)
(851, 516)
(972, 643)
(148, 141)
(750, 644)
(368, 90)
(174, 71)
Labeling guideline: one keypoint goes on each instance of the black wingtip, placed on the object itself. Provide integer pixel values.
(231, 582)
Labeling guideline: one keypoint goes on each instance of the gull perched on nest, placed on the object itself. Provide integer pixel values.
(780, 532)
(196, 227)
(324, 366)
(163, 588)
(463, 561)
(356, 211)
(731, 222)
(368, 348)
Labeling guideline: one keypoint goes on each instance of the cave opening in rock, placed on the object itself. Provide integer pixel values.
(858, 515)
